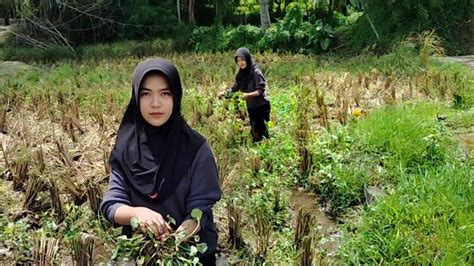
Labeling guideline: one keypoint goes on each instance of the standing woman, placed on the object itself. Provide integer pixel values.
(160, 166)
(250, 81)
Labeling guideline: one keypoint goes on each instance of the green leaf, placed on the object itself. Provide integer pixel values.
(196, 214)
(193, 251)
(171, 219)
(134, 222)
(202, 247)
(325, 44)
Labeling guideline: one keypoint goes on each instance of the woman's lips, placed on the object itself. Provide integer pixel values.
(157, 114)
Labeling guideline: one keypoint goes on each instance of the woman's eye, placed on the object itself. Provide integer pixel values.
(145, 93)
(166, 93)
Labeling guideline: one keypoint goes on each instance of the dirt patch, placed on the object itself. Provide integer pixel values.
(328, 229)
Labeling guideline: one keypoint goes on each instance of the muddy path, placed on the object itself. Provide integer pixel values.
(330, 233)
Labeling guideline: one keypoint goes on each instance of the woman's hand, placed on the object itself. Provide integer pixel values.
(249, 95)
(148, 218)
(222, 94)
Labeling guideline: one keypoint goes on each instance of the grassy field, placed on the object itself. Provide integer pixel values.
(369, 161)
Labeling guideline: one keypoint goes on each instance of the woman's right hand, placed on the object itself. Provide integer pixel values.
(222, 94)
(148, 218)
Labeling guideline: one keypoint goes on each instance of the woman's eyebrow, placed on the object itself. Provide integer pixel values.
(161, 89)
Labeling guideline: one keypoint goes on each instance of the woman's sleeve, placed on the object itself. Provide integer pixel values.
(117, 195)
(260, 82)
(234, 87)
(204, 189)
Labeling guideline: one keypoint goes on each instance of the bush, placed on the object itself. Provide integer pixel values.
(242, 35)
(395, 20)
(294, 34)
(33, 54)
(207, 38)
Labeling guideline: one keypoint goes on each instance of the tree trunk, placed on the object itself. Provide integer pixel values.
(178, 9)
(191, 11)
(264, 15)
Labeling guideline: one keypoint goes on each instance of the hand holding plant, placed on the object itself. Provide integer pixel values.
(177, 247)
(150, 221)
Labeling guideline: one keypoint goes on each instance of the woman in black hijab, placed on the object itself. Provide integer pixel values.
(160, 166)
(250, 81)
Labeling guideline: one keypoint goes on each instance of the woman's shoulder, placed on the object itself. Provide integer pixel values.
(198, 138)
(194, 139)
(257, 70)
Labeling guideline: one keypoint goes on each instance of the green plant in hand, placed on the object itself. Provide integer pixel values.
(176, 248)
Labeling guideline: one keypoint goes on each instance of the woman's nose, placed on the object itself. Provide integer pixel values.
(156, 101)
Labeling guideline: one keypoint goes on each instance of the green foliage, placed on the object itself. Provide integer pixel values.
(143, 18)
(87, 52)
(6, 7)
(207, 38)
(396, 20)
(424, 222)
(14, 237)
(83, 22)
(242, 35)
(341, 171)
(196, 214)
(33, 54)
(294, 34)
(397, 140)
(146, 249)
(406, 138)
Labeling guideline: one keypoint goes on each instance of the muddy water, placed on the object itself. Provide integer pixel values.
(327, 228)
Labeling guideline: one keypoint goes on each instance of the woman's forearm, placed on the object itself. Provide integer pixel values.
(123, 214)
(254, 93)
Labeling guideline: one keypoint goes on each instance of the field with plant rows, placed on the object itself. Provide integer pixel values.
(370, 161)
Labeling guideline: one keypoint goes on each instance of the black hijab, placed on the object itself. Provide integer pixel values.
(244, 76)
(154, 159)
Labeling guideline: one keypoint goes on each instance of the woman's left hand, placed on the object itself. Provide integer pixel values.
(249, 95)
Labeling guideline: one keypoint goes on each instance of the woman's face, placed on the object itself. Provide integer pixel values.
(241, 62)
(156, 100)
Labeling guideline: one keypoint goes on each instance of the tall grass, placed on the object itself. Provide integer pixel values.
(427, 215)
(427, 220)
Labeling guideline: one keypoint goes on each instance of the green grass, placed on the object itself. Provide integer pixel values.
(428, 219)
(86, 52)
(407, 137)
(427, 216)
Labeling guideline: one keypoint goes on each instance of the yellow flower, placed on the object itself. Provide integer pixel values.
(358, 112)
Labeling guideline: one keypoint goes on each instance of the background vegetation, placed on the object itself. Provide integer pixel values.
(300, 26)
